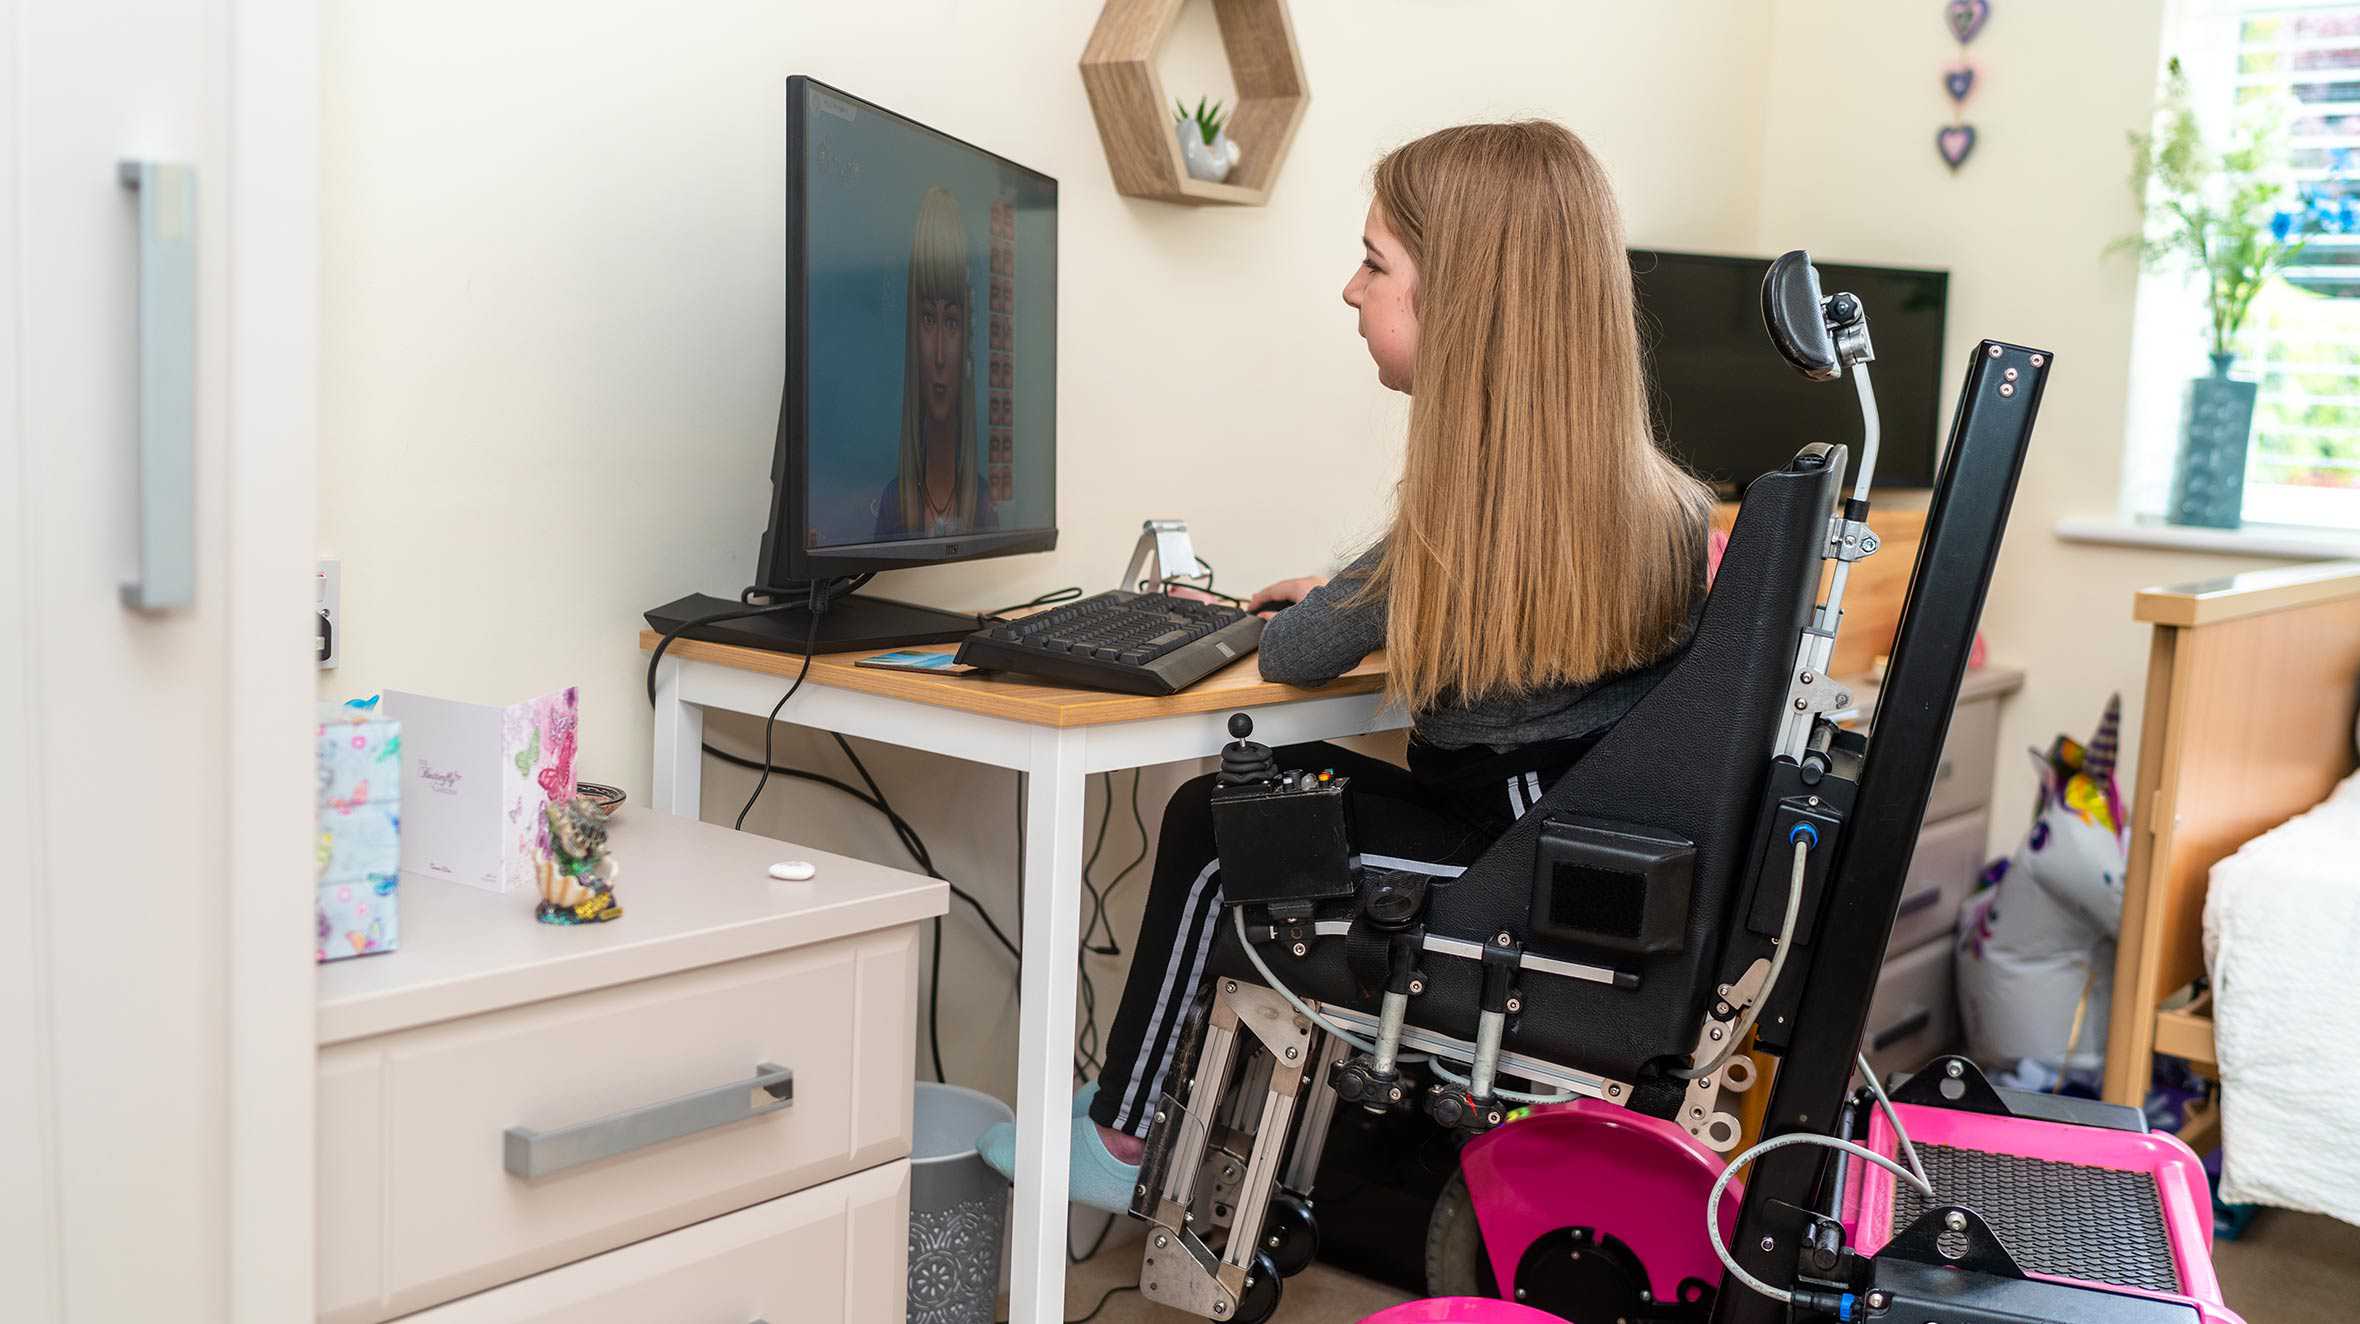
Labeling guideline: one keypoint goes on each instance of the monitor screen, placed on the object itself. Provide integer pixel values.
(920, 417)
(1732, 408)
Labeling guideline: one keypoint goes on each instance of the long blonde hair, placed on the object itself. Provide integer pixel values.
(1539, 536)
(938, 270)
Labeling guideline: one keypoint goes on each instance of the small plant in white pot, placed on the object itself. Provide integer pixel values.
(1205, 146)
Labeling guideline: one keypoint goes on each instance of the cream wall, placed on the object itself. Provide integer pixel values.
(1849, 169)
(553, 321)
(553, 331)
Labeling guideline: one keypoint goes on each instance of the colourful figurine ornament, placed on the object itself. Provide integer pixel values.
(577, 874)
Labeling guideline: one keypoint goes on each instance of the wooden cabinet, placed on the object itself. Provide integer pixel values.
(512, 1110)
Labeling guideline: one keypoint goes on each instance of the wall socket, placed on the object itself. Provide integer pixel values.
(327, 606)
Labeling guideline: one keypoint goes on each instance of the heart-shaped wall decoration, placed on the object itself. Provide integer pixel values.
(1955, 143)
(1958, 82)
(1967, 18)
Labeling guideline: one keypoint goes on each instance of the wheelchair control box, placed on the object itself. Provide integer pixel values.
(1288, 839)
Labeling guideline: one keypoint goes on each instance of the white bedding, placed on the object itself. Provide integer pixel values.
(2282, 938)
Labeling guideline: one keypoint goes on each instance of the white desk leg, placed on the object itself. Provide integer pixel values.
(1044, 1053)
(678, 784)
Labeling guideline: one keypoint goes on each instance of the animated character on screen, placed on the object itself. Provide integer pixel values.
(2036, 946)
(939, 487)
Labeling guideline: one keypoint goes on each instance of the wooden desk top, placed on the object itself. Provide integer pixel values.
(1238, 685)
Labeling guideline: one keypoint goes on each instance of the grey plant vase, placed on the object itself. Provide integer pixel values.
(2208, 483)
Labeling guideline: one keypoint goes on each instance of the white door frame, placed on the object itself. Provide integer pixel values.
(273, 121)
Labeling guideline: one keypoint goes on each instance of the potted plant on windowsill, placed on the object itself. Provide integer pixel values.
(1205, 146)
(2222, 216)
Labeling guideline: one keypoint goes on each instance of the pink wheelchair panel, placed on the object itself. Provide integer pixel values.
(1462, 1310)
(2114, 1209)
(1640, 1179)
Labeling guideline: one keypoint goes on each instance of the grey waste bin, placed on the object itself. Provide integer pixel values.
(958, 1208)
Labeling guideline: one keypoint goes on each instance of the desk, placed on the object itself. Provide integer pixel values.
(1057, 736)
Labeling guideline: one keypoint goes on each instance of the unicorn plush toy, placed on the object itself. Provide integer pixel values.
(2035, 956)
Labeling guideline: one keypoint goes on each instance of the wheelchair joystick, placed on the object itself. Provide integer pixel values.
(1245, 762)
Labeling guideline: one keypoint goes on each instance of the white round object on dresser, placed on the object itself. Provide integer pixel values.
(794, 871)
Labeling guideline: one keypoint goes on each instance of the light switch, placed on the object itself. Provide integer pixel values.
(328, 620)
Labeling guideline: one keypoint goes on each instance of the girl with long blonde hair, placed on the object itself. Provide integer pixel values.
(1544, 561)
(938, 488)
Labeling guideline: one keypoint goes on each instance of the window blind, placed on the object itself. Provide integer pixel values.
(2302, 340)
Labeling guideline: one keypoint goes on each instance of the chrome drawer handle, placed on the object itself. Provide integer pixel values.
(167, 384)
(530, 1153)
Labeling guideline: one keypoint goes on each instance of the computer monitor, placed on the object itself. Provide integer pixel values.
(1732, 410)
(918, 419)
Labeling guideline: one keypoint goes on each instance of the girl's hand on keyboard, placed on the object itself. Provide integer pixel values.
(1285, 592)
(1190, 594)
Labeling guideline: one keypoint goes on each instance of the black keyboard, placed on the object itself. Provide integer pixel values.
(1139, 643)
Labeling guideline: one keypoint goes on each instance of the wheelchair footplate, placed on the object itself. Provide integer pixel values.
(2089, 1218)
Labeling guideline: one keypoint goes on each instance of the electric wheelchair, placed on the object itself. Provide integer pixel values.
(1726, 862)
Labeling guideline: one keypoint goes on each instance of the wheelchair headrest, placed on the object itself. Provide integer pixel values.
(1791, 314)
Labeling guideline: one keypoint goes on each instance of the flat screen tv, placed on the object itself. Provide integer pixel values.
(1732, 409)
(918, 423)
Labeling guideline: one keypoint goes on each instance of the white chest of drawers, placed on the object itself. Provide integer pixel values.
(1914, 1014)
(699, 1111)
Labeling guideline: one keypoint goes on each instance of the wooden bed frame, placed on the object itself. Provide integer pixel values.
(2252, 683)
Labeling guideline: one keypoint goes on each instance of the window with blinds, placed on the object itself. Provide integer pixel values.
(2302, 338)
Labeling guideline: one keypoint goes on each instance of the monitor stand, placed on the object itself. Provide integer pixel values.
(856, 623)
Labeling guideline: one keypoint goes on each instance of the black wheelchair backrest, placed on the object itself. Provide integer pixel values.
(1688, 763)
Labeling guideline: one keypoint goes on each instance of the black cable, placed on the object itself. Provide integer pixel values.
(1111, 1294)
(916, 846)
(1055, 595)
(1096, 1310)
(819, 607)
(797, 598)
(849, 584)
(814, 596)
(917, 849)
(1097, 1243)
(1208, 590)
(934, 1002)
(910, 840)
(1098, 900)
(1020, 780)
(1088, 1061)
(1139, 821)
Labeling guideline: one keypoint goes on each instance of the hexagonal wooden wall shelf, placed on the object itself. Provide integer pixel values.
(1135, 116)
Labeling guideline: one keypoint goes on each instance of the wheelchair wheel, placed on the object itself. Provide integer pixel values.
(1260, 1300)
(1290, 1235)
(1456, 1262)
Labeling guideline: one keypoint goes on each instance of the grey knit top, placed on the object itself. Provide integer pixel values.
(1320, 638)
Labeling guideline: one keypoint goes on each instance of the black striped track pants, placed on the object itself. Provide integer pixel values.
(1401, 820)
